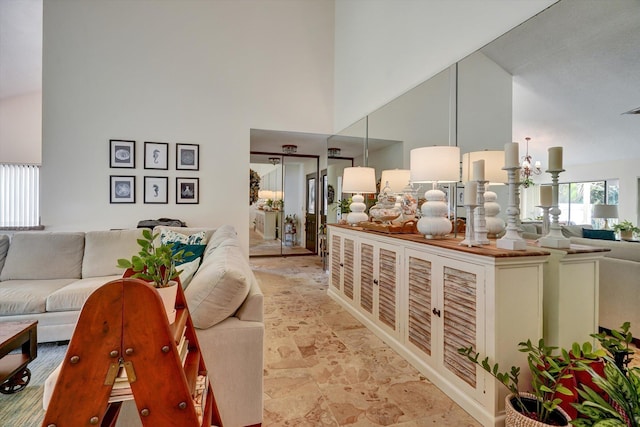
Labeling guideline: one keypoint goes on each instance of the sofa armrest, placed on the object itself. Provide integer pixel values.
(252, 309)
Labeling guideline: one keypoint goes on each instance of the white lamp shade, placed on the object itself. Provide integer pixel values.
(435, 164)
(359, 180)
(493, 164)
(397, 179)
(605, 211)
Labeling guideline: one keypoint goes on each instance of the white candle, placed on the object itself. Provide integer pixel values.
(470, 193)
(478, 170)
(555, 158)
(511, 155)
(546, 198)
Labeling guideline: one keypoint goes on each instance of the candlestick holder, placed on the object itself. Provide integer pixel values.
(479, 218)
(469, 234)
(545, 219)
(512, 239)
(554, 239)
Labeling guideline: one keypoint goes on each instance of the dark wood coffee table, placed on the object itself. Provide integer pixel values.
(14, 374)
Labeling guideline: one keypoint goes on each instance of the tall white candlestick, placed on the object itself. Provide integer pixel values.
(546, 195)
(511, 155)
(555, 158)
(478, 170)
(470, 193)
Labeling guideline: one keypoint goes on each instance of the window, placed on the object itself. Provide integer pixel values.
(19, 196)
(576, 200)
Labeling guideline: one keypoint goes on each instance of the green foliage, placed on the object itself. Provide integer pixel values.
(626, 226)
(154, 264)
(547, 370)
(622, 385)
(343, 205)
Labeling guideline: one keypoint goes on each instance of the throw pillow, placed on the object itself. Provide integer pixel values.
(170, 236)
(187, 270)
(599, 234)
(196, 251)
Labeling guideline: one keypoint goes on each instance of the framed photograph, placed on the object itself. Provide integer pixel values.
(156, 155)
(187, 157)
(156, 189)
(122, 189)
(187, 190)
(122, 153)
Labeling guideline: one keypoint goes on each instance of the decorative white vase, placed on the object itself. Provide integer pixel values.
(168, 295)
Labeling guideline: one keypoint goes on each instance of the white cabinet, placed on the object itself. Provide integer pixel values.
(379, 269)
(426, 299)
(267, 224)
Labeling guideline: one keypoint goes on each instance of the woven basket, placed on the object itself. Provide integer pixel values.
(517, 419)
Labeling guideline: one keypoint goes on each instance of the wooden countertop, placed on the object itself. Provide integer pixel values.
(490, 250)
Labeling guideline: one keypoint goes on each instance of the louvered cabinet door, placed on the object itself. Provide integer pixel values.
(462, 314)
(387, 282)
(419, 324)
(336, 261)
(348, 260)
(366, 277)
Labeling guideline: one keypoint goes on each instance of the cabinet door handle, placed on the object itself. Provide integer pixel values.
(436, 312)
(375, 281)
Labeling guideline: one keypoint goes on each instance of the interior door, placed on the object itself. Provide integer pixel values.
(311, 222)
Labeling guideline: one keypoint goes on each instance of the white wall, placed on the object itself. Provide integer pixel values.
(175, 71)
(385, 47)
(21, 129)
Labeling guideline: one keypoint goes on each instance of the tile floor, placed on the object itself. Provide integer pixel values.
(323, 368)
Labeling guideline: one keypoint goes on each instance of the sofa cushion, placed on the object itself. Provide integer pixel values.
(219, 287)
(44, 255)
(102, 249)
(187, 270)
(574, 230)
(225, 234)
(4, 248)
(27, 296)
(73, 296)
(598, 234)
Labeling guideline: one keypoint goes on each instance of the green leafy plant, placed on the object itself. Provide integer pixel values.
(343, 205)
(622, 409)
(616, 343)
(626, 226)
(549, 374)
(154, 264)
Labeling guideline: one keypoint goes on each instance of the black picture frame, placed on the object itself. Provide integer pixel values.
(156, 190)
(188, 157)
(122, 153)
(187, 191)
(122, 189)
(156, 155)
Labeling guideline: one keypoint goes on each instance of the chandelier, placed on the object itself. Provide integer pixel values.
(274, 160)
(289, 149)
(526, 170)
(333, 152)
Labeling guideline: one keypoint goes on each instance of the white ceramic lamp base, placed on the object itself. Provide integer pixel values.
(357, 208)
(434, 223)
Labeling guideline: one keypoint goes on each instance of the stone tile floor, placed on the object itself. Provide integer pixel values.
(323, 368)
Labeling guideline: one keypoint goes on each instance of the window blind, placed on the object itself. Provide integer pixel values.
(19, 195)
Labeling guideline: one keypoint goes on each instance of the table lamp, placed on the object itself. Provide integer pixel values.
(435, 164)
(395, 179)
(358, 180)
(605, 212)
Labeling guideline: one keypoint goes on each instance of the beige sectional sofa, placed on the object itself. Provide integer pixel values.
(47, 276)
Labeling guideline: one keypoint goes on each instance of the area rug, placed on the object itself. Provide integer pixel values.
(24, 409)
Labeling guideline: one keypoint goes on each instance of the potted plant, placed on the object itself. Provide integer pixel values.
(613, 399)
(551, 375)
(626, 230)
(157, 265)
